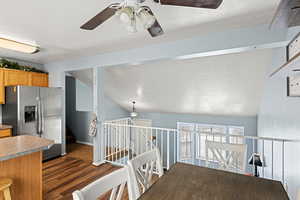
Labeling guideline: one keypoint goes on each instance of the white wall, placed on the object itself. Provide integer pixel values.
(279, 117)
(84, 97)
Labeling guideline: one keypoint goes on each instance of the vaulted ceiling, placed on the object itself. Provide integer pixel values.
(54, 25)
(219, 85)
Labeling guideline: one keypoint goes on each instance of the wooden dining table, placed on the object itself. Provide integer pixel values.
(184, 181)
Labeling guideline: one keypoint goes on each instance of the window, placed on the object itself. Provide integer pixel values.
(211, 133)
(236, 131)
(192, 138)
(186, 141)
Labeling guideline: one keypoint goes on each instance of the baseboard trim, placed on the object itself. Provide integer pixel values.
(86, 143)
(98, 163)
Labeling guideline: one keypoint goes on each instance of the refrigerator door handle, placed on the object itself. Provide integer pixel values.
(37, 118)
(42, 118)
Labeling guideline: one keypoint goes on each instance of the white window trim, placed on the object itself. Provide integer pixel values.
(195, 147)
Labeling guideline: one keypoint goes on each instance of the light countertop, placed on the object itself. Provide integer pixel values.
(3, 127)
(13, 147)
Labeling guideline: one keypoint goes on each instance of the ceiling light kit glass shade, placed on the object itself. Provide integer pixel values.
(145, 17)
(18, 46)
(133, 114)
(128, 16)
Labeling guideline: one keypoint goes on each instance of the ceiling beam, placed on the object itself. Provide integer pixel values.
(231, 41)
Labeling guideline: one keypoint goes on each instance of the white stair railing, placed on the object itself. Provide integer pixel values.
(272, 151)
(124, 141)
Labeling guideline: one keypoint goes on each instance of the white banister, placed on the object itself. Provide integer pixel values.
(272, 159)
(124, 141)
(140, 140)
(283, 180)
(168, 147)
(263, 157)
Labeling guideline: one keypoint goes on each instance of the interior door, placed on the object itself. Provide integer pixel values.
(27, 110)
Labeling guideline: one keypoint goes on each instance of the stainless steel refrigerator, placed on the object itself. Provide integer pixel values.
(35, 111)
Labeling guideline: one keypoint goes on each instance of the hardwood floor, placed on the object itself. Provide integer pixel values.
(64, 175)
(80, 151)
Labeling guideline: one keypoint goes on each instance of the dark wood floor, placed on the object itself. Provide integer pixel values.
(64, 175)
(80, 151)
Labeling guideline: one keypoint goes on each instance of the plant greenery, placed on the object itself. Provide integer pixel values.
(14, 65)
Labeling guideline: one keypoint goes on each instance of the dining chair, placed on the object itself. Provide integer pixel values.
(141, 170)
(298, 194)
(228, 157)
(114, 181)
(5, 184)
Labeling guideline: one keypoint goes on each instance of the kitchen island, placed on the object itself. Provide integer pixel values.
(21, 161)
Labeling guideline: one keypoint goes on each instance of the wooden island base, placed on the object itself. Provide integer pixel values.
(26, 173)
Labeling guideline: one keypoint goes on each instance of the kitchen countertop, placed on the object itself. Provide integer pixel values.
(3, 126)
(13, 147)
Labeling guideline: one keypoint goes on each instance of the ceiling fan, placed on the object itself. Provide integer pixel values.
(131, 10)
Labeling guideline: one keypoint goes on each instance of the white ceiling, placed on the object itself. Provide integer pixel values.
(54, 25)
(218, 85)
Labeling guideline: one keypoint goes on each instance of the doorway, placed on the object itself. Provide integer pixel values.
(79, 113)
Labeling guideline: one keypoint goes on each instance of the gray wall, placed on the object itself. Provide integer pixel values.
(169, 120)
(78, 121)
(84, 96)
(113, 110)
(279, 117)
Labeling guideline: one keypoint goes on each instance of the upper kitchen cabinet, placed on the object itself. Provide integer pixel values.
(2, 89)
(11, 77)
(38, 79)
(16, 77)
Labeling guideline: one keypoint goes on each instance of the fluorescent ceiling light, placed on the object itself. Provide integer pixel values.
(18, 46)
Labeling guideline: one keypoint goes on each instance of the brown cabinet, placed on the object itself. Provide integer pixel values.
(2, 90)
(5, 133)
(10, 77)
(38, 79)
(15, 77)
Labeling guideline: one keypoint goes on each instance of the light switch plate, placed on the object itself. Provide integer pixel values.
(293, 86)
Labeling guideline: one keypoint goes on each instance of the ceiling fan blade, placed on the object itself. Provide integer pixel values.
(100, 17)
(155, 30)
(212, 4)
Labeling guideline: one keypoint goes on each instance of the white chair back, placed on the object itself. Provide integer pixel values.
(229, 157)
(141, 169)
(114, 181)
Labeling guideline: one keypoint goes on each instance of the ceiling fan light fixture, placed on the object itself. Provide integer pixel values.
(131, 27)
(133, 113)
(126, 16)
(146, 18)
